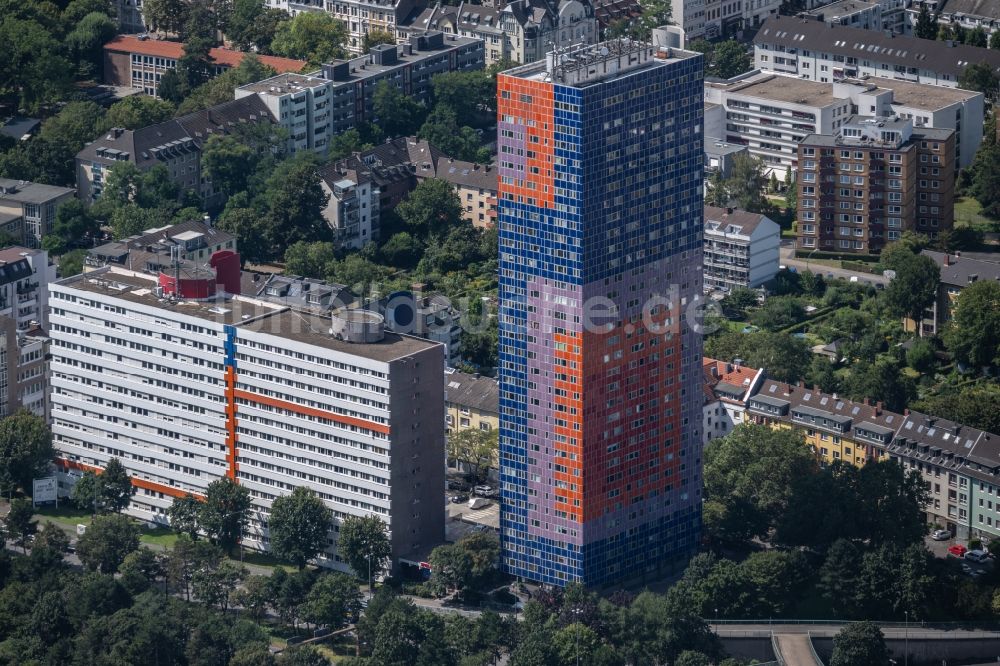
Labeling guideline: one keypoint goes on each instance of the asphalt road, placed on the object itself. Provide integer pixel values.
(788, 258)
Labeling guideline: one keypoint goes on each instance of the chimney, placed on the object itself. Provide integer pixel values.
(906, 411)
(729, 211)
(815, 387)
(878, 408)
(947, 259)
(866, 401)
(802, 383)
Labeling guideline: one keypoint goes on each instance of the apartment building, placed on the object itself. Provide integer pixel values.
(471, 401)
(176, 144)
(959, 465)
(316, 107)
(186, 381)
(709, 19)
(965, 14)
(772, 113)
(431, 316)
(534, 27)
(727, 388)
(957, 273)
(872, 180)
(155, 250)
(138, 62)
(853, 13)
(28, 210)
(25, 275)
(741, 248)
(578, 397)
(352, 209)
(819, 51)
(476, 186)
(360, 17)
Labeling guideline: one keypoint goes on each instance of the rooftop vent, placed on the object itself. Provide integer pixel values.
(357, 326)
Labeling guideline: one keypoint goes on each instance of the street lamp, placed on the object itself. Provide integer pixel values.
(809, 256)
(576, 613)
(906, 638)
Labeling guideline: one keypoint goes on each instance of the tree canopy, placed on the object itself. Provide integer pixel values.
(299, 526)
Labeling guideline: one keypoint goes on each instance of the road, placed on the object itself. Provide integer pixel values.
(788, 259)
(796, 650)
(896, 630)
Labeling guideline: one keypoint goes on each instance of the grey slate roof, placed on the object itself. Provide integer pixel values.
(747, 222)
(479, 393)
(31, 193)
(873, 45)
(976, 8)
(960, 269)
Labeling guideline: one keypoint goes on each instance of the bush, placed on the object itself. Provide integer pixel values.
(419, 590)
(504, 597)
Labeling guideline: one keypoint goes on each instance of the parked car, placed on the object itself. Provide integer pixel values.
(456, 485)
(977, 555)
(958, 550)
(459, 499)
(483, 491)
(478, 503)
(941, 535)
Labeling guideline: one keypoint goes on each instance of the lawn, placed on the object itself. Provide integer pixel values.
(260, 559)
(66, 515)
(160, 536)
(968, 213)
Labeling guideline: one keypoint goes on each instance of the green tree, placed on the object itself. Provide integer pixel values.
(376, 37)
(253, 655)
(442, 129)
(363, 542)
(303, 655)
(575, 643)
(899, 495)
(475, 448)
(219, 89)
(718, 192)
(914, 287)
(313, 36)
(973, 334)
(471, 95)
(838, 577)
(333, 600)
(431, 209)
(138, 111)
(995, 40)
(116, 486)
(140, 570)
(926, 27)
(921, 357)
(253, 25)
(860, 644)
(750, 474)
(729, 59)
(86, 40)
(33, 70)
(167, 15)
(778, 312)
(73, 224)
(213, 586)
(225, 513)
(396, 113)
(86, 493)
(791, 191)
(183, 513)
(187, 557)
(25, 450)
(985, 187)
(106, 543)
(310, 259)
(294, 201)
(976, 406)
(738, 302)
(255, 596)
(747, 183)
(977, 37)
(299, 526)
(229, 162)
(981, 78)
(402, 250)
(652, 14)
(881, 380)
(19, 524)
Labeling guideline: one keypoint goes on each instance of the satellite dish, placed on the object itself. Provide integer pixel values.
(604, 51)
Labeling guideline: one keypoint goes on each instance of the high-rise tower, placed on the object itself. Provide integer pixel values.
(600, 209)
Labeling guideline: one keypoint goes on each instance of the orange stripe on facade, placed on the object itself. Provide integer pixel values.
(311, 411)
(138, 483)
(232, 439)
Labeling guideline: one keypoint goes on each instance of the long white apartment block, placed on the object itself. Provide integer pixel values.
(771, 113)
(189, 384)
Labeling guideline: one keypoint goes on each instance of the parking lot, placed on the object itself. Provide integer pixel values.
(461, 519)
(940, 549)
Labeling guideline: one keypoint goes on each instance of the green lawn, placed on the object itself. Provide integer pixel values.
(260, 559)
(66, 515)
(968, 213)
(159, 536)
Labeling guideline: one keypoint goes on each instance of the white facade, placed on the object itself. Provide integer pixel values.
(854, 13)
(187, 392)
(352, 210)
(301, 105)
(709, 19)
(771, 112)
(741, 249)
(727, 388)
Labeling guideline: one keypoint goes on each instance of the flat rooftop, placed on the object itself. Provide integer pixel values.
(588, 64)
(283, 84)
(777, 88)
(245, 312)
(841, 8)
(921, 96)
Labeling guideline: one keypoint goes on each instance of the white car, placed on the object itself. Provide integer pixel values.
(941, 535)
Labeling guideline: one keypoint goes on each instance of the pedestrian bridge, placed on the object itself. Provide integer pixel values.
(794, 650)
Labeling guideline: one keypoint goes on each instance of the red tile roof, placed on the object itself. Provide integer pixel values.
(164, 49)
(717, 372)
